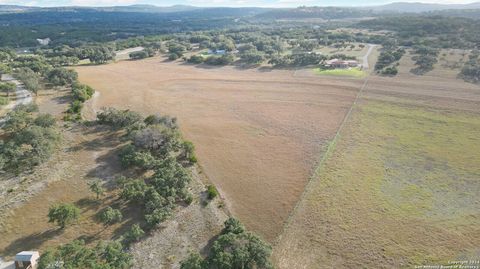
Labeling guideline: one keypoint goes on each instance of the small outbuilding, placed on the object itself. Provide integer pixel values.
(26, 260)
(44, 41)
(217, 52)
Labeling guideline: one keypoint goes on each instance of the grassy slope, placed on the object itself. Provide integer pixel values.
(401, 188)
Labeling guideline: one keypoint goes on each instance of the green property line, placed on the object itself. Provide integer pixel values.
(321, 163)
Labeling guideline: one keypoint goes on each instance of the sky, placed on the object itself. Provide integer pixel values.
(223, 3)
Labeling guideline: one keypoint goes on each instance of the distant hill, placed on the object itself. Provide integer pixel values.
(331, 13)
(15, 8)
(131, 8)
(326, 13)
(417, 7)
(180, 9)
(147, 8)
(300, 13)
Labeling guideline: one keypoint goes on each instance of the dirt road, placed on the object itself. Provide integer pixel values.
(365, 64)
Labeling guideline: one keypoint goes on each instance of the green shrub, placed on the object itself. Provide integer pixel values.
(196, 59)
(134, 191)
(138, 55)
(45, 120)
(29, 78)
(194, 261)
(63, 214)
(17, 119)
(234, 248)
(155, 145)
(77, 255)
(7, 87)
(82, 92)
(157, 216)
(222, 60)
(75, 107)
(173, 56)
(96, 187)
(118, 118)
(192, 159)
(232, 225)
(61, 76)
(29, 141)
(389, 71)
(170, 122)
(189, 199)
(211, 192)
(3, 101)
(134, 234)
(110, 216)
(131, 156)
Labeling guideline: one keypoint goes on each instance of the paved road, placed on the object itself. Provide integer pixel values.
(23, 96)
(6, 265)
(365, 64)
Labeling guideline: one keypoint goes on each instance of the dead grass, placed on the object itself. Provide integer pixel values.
(86, 154)
(258, 133)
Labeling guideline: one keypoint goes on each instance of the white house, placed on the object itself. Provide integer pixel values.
(217, 52)
(336, 63)
(44, 41)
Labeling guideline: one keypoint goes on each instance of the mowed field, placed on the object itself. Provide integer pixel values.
(258, 133)
(401, 186)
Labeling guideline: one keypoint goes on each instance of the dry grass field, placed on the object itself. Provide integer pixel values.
(258, 133)
(400, 187)
(84, 155)
(89, 152)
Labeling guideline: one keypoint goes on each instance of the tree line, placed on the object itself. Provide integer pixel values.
(471, 70)
(30, 139)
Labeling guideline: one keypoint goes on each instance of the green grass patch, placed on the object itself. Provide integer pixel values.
(211, 192)
(401, 178)
(351, 72)
(3, 101)
(429, 159)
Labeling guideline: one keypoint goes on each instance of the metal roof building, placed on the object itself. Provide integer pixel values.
(26, 260)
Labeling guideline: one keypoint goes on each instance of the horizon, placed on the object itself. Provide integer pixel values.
(219, 3)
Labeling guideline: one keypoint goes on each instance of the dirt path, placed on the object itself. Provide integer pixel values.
(330, 148)
(365, 64)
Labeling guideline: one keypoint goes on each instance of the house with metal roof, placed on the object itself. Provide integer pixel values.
(26, 260)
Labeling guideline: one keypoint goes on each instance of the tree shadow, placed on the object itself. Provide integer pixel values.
(108, 167)
(265, 69)
(246, 66)
(87, 204)
(88, 239)
(132, 214)
(30, 242)
(206, 249)
(107, 138)
(65, 99)
(209, 66)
